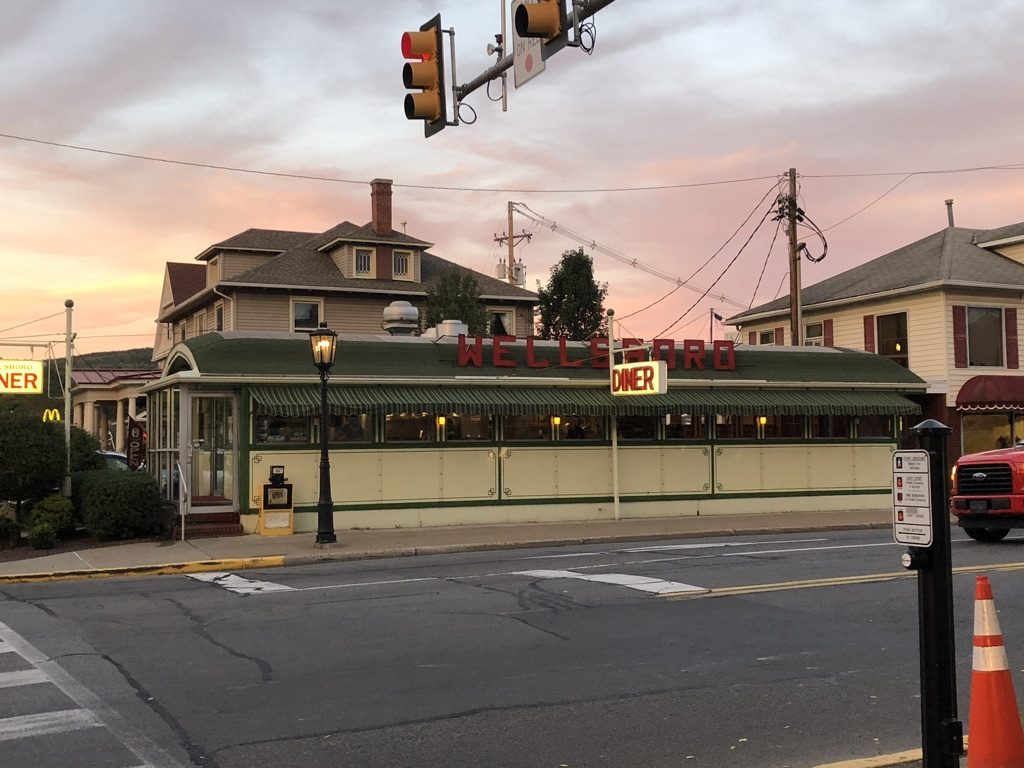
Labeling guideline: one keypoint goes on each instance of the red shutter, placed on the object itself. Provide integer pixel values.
(752, 338)
(1012, 356)
(959, 336)
(869, 333)
(780, 336)
(826, 330)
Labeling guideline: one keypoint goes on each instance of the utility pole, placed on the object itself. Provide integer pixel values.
(68, 365)
(512, 241)
(795, 310)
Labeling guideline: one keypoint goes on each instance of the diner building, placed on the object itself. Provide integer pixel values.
(455, 430)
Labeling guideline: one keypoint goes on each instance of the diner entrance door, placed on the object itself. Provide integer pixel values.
(213, 475)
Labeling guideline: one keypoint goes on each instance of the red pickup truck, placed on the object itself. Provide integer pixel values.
(987, 496)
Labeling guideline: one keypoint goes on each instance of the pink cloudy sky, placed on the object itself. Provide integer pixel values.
(678, 94)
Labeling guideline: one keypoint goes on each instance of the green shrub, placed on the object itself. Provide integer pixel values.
(82, 481)
(10, 531)
(55, 511)
(42, 535)
(122, 505)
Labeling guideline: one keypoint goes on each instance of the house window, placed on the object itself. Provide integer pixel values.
(814, 335)
(364, 261)
(400, 261)
(218, 314)
(306, 314)
(985, 336)
(183, 326)
(501, 321)
(200, 324)
(892, 338)
(766, 337)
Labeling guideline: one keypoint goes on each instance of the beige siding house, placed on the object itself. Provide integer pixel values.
(278, 280)
(949, 307)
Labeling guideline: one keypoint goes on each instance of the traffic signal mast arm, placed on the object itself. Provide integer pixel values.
(582, 9)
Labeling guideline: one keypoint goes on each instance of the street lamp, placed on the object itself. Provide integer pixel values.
(324, 342)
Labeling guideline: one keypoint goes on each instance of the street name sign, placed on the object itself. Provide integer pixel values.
(911, 498)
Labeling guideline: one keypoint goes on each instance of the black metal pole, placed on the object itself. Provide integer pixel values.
(325, 506)
(941, 731)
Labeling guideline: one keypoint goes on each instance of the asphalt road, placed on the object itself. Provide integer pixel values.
(583, 656)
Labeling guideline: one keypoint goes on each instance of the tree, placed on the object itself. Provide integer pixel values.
(572, 304)
(455, 295)
(32, 457)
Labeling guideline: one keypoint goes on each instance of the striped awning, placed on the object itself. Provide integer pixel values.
(992, 393)
(299, 400)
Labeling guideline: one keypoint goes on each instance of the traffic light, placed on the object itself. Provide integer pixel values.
(426, 74)
(545, 19)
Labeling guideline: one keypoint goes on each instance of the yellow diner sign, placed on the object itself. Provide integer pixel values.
(632, 379)
(21, 377)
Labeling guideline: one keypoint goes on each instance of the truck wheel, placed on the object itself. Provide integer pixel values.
(987, 535)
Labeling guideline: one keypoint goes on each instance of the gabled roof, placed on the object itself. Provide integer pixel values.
(949, 257)
(186, 280)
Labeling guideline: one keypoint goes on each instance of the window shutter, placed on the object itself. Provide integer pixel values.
(828, 339)
(752, 338)
(780, 338)
(869, 333)
(959, 336)
(1012, 355)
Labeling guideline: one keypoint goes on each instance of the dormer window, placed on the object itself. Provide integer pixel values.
(364, 262)
(400, 263)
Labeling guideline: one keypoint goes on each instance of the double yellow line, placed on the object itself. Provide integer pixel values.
(836, 581)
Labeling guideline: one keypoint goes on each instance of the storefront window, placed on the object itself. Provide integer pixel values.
(276, 430)
(782, 427)
(527, 427)
(637, 427)
(986, 431)
(686, 426)
(733, 426)
(874, 426)
(830, 426)
(457, 427)
(350, 428)
(581, 428)
(409, 427)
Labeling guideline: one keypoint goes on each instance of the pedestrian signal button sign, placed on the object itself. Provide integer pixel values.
(911, 498)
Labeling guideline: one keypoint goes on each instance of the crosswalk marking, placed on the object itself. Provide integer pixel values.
(235, 583)
(22, 677)
(45, 723)
(643, 583)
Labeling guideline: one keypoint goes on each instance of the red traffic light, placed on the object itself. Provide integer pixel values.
(426, 73)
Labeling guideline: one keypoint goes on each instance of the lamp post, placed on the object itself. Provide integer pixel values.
(324, 342)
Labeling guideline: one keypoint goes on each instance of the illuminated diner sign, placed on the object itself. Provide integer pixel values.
(688, 354)
(632, 379)
(21, 377)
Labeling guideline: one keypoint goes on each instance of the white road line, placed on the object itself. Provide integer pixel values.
(643, 583)
(46, 723)
(713, 545)
(92, 707)
(21, 677)
(235, 583)
(809, 549)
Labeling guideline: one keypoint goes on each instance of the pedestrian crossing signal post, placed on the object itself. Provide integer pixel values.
(920, 500)
(426, 74)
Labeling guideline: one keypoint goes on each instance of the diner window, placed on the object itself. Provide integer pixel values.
(814, 335)
(306, 314)
(409, 427)
(274, 430)
(892, 338)
(835, 427)
(686, 426)
(874, 426)
(527, 427)
(458, 427)
(637, 427)
(781, 427)
(581, 428)
(735, 426)
(350, 428)
(400, 261)
(985, 336)
(766, 337)
(364, 262)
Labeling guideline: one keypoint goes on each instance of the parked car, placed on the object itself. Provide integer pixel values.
(988, 493)
(114, 460)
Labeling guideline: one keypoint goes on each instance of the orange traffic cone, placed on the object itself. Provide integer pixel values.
(996, 736)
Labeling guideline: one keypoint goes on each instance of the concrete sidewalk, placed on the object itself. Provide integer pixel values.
(255, 551)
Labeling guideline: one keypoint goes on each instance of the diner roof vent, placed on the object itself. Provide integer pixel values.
(400, 318)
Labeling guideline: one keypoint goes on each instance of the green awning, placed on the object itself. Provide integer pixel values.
(299, 400)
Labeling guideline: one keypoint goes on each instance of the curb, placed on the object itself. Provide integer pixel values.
(328, 556)
(879, 761)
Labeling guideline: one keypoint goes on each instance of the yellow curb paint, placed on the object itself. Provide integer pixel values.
(233, 564)
(910, 756)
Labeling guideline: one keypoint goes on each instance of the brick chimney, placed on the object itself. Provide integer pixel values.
(380, 204)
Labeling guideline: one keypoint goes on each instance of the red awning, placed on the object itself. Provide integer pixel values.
(992, 393)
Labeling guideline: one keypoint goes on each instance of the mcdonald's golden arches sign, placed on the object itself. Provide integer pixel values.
(51, 414)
